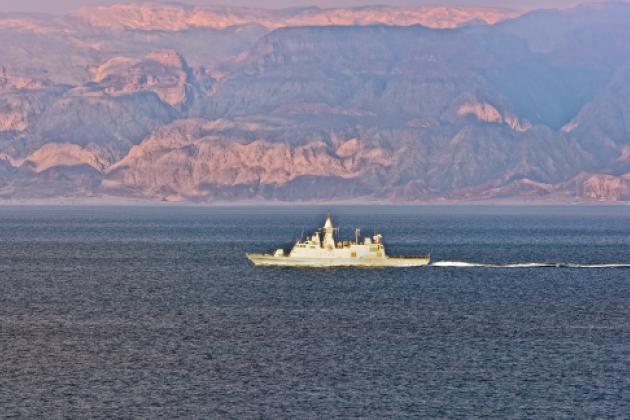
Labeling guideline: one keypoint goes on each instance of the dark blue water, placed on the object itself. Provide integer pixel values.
(155, 312)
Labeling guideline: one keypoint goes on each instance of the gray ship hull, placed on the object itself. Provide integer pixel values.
(287, 261)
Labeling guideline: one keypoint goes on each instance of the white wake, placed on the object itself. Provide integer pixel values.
(463, 264)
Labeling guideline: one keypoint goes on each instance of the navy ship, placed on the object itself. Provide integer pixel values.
(321, 250)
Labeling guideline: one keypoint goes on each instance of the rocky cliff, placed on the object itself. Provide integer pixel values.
(178, 17)
(170, 102)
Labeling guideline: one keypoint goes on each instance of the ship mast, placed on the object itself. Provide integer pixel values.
(329, 233)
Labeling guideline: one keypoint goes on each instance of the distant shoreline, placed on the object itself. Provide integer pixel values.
(117, 201)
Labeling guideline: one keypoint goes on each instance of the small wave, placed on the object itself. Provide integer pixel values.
(463, 264)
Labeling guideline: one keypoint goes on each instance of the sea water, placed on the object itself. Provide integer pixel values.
(155, 312)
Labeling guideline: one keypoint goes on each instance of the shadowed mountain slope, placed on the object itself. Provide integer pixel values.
(536, 107)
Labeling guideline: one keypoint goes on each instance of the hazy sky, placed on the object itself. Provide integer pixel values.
(63, 6)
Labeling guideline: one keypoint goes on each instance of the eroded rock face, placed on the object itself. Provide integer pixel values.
(606, 187)
(181, 103)
(486, 112)
(189, 159)
(482, 111)
(174, 17)
(164, 72)
(13, 81)
(18, 107)
(59, 154)
(14, 117)
(258, 159)
(113, 123)
(603, 125)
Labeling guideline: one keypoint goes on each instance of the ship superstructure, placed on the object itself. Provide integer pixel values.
(320, 249)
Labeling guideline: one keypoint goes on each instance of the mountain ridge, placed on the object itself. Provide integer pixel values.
(405, 113)
(177, 17)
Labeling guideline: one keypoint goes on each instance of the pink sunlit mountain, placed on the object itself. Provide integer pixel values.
(182, 103)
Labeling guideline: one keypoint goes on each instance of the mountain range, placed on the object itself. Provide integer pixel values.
(162, 101)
